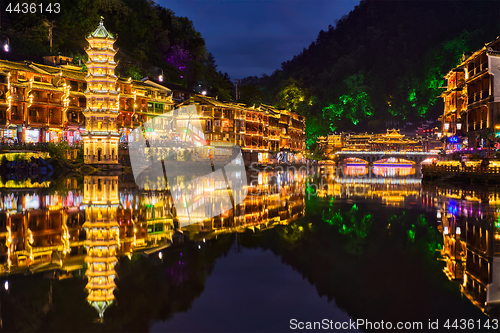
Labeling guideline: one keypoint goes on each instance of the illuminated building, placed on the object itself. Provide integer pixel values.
(100, 139)
(471, 99)
(455, 104)
(45, 102)
(393, 141)
(258, 131)
(331, 143)
(101, 199)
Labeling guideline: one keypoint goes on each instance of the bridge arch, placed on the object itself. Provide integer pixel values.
(373, 156)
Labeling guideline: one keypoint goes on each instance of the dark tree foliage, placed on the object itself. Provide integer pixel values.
(150, 39)
(383, 63)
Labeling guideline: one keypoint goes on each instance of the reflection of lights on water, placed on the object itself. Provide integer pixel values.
(393, 171)
(355, 170)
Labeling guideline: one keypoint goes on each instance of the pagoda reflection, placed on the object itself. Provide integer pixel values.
(59, 231)
(101, 202)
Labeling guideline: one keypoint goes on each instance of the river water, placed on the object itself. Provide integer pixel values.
(323, 247)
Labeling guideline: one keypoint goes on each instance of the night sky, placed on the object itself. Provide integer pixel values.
(252, 37)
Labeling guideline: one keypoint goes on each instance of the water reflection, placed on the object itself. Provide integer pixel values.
(390, 171)
(100, 220)
(470, 222)
(95, 220)
(101, 201)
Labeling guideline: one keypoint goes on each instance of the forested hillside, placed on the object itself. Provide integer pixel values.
(380, 65)
(150, 39)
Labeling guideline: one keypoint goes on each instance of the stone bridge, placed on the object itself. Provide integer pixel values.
(373, 156)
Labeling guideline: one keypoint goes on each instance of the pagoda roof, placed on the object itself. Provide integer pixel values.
(101, 31)
(392, 136)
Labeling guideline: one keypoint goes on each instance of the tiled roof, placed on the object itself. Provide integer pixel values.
(74, 75)
(44, 69)
(101, 32)
(15, 65)
(45, 86)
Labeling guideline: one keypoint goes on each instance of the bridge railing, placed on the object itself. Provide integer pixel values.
(367, 152)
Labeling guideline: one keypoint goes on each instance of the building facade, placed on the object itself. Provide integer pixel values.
(259, 131)
(472, 98)
(42, 103)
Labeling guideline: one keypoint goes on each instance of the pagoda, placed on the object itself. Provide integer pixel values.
(393, 140)
(101, 201)
(101, 137)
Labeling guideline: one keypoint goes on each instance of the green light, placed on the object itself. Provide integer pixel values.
(186, 130)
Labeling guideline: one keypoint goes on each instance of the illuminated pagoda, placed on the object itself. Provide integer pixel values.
(393, 141)
(101, 201)
(101, 137)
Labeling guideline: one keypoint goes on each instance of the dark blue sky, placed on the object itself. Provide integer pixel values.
(252, 37)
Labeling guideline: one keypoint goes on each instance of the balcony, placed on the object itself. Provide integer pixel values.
(17, 117)
(40, 100)
(55, 121)
(484, 66)
(478, 96)
(37, 120)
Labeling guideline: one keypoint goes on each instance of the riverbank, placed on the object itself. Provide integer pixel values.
(458, 173)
